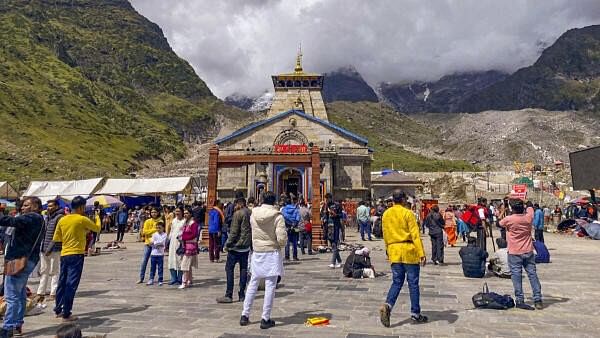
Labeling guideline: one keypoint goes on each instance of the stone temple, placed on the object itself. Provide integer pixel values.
(293, 150)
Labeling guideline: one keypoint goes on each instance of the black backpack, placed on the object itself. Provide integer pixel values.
(492, 300)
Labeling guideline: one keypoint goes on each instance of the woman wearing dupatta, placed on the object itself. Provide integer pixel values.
(450, 226)
(174, 260)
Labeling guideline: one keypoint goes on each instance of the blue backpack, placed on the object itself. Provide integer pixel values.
(542, 255)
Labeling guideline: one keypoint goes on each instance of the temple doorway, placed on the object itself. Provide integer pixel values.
(290, 182)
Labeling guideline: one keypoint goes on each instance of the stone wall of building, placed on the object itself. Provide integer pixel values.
(312, 101)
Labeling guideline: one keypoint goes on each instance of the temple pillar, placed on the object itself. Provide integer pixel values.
(213, 169)
(317, 231)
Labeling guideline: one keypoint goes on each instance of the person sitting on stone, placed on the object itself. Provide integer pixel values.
(473, 259)
(499, 260)
(358, 265)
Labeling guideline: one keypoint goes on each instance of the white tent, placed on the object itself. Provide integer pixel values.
(46, 190)
(7, 191)
(146, 186)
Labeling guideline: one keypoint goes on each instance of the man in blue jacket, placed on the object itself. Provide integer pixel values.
(538, 223)
(291, 215)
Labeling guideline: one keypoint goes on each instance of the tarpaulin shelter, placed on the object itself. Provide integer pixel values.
(146, 186)
(46, 190)
(7, 191)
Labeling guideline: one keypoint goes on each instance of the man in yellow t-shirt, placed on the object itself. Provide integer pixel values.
(71, 231)
(405, 252)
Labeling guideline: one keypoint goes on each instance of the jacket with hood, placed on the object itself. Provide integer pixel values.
(473, 261)
(268, 229)
(50, 228)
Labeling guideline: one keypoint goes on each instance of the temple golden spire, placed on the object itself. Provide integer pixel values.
(298, 68)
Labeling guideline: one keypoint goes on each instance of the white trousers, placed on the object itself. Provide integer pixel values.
(49, 270)
(270, 284)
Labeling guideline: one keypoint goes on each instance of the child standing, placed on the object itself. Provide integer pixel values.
(158, 243)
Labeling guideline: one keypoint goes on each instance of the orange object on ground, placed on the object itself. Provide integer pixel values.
(317, 321)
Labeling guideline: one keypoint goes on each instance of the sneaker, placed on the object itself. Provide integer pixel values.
(160, 283)
(539, 305)
(181, 287)
(332, 266)
(140, 281)
(150, 282)
(524, 306)
(338, 265)
(244, 321)
(419, 318)
(267, 324)
(384, 315)
(18, 332)
(224, 300)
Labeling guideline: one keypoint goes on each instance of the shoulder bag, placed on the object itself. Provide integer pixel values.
(17, 265)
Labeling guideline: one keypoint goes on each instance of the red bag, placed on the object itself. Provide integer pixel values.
(308, 227)
(471, 217)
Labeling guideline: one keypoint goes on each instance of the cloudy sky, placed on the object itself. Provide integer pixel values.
(235, 45)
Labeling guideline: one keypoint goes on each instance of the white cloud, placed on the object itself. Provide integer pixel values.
(236, 45)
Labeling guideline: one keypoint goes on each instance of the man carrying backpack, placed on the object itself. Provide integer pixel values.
(520, 254)
(291, 216)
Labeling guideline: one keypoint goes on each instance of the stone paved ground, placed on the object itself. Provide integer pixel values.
(110, 303)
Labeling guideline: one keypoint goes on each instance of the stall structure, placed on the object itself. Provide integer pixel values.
(146, 186)
(46, 190)
(7, 192)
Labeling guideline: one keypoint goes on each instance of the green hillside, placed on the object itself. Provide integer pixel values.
(91, 88)
(387, 131)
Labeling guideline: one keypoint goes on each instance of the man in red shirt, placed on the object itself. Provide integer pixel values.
(520, 253)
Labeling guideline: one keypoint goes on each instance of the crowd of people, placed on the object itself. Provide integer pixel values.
(259, 236)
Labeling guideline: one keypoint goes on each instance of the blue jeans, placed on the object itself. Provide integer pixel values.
(293, 240)
(401, 271)
(175, 276)
(517, 263)
(15, 295)
(71, 267)
(156, 262)
(335, 253)
(306, 241)
(224, 236)
(365, 227)
(145, 258)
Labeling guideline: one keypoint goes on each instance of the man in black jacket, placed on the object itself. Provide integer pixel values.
(238, 248)
(50, 252)
(473, 259)
(25, 242)
(358, 264)
(435, 223)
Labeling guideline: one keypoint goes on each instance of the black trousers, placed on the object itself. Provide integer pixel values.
(481, 238)
(234, 257)
(437, 248)
(121, 232)
(539, 235)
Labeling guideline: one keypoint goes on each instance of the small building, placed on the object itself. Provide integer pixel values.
(384, 185)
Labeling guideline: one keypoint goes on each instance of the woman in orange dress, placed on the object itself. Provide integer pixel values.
(450, 226)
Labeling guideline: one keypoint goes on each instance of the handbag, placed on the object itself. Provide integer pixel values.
(180, 249)
(17, 265)
(492, 300)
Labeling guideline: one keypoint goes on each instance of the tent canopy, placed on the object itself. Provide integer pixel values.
(46, 190)
(146, 186)
(7, 191)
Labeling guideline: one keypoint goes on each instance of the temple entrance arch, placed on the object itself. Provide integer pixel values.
(291, 181)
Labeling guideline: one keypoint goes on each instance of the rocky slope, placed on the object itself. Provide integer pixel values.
(444, 95)
(565, 77)
(92, 88)
(346, 84)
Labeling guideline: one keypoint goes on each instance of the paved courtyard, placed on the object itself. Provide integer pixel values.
(109, 303)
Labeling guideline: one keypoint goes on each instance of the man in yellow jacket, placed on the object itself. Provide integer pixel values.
(405, 253)
(71, 231)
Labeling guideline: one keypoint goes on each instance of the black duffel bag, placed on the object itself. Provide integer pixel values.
(492, 300)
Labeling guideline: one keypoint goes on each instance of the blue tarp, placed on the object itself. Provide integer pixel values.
(134, 201)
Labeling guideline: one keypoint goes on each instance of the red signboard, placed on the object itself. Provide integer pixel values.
(291, 148)
(519, 191)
